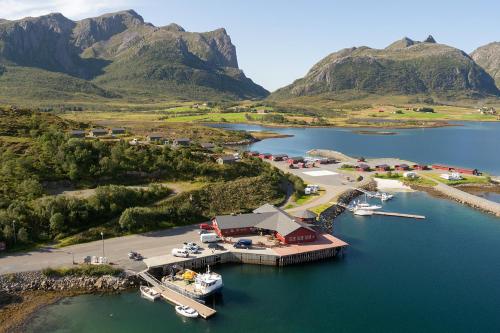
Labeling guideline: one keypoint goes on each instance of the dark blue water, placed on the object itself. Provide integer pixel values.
(473, 145)
(441, 274)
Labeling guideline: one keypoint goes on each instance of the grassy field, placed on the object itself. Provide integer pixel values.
(477, 180)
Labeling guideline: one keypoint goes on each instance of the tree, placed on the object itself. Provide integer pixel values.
(22, 235)
(8, 232)
(127, 219)
(57, 223)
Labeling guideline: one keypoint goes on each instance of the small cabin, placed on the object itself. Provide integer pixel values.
(182, 142)
(116, 131)
(95, 132)
(363, 167)
(154, 138)
(226, 159)
(207, 145)
(402, 167)
(77, 134)
(383, 167)
(279, 157)
(419, 167)
(265, 156)
(295, 160)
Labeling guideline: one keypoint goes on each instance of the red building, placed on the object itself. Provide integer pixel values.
(419, 167)
(265, 218)
(295, 160)
(454, 169)
(279, 157)
(383, 167)
(265, 156)
(363, 167)
(402, 167)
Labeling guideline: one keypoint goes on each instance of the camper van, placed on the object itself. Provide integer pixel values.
(180, 253)
(209, 238)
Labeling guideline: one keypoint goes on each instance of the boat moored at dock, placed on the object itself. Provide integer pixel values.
(149, 293)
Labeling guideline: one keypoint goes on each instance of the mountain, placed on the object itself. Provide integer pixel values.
(488, 57)
(118, 55)
(403, 68)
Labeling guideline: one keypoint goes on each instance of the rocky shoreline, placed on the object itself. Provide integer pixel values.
(23, 294)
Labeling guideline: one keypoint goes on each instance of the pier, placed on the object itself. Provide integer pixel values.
(175, 297)
(377, 212)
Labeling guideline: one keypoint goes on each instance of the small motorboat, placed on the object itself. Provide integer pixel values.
(367, 206)
(149, 293)
(186, 311)
(386, 196)
(363, 212)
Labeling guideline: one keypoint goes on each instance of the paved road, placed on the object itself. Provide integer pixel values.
(116, 249)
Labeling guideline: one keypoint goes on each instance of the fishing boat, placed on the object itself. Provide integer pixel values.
(186, 311)
(149, 293)
(208, 283)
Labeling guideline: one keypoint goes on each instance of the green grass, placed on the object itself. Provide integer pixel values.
(303, 199)
(321, 208)
(235, 117)
(420, 181)
(82, 270)
(479, 180)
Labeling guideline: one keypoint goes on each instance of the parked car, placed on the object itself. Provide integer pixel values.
(134, 255)
(206, 226)
(243, 244)
(191, 248)
(180, 253)
(209, 238)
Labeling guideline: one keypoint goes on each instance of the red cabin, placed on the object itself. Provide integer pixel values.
(454, 169)
(363, 167)
(279, 157)
(265, 156)
(295, 160)
(402, 167)
(383, 167)
(419, 167)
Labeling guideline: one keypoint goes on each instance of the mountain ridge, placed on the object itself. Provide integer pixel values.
(108, 51)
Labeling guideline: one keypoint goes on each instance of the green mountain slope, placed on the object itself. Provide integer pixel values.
(403, 68)
(488, 57)
(116, 55)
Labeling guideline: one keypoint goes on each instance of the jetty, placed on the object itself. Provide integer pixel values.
(175, 297)
(377, 212)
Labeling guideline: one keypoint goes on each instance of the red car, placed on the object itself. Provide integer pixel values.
(206, 226)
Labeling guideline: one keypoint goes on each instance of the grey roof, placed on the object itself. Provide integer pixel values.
(207, 145)
(77, 132)
(183, 140)
(99, 130)
(227, 158)
(306, 214)
(155, 136)
(118, 129)
(266, 217)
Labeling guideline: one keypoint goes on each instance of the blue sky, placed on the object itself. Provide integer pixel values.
(278, 41)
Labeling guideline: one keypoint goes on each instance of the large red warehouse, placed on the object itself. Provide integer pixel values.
(267, 217)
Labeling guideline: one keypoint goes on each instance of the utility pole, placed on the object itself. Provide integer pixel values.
(14, 230)
(102, 236)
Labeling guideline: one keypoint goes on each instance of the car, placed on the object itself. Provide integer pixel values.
(215, 246)
(180, 253)
(134, 255)
(243, 244)
(191, 247)
(206, 226)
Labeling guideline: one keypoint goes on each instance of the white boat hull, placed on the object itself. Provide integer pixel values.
(186, 311)
(149, 293)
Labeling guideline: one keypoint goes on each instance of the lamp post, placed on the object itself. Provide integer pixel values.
(73, 254)
(14, 231)
(102, 236)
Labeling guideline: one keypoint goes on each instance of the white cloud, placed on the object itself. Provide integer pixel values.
(74, 9)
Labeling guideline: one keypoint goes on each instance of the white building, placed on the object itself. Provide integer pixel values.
(451, 176)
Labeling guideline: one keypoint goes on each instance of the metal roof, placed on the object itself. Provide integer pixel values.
(306, 214)
(266, 217)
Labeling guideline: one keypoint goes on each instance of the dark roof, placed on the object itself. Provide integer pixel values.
(98, 130)
(266, 217)
(227, 158)
(382, 166)
(296, 158)
(118, 129)
(77, 132)
(403, 165)
(280, 155)
(182, 140)
(306, 214)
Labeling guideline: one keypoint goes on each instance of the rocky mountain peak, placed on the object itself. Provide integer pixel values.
(174, 27)
(430, 39)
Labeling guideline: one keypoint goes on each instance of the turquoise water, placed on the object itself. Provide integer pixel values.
(441, 274)
(473, 145)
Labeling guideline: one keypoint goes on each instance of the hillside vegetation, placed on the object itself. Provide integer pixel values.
(116, 56)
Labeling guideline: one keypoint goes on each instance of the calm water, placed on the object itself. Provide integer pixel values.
(437, 275)
(474, 145)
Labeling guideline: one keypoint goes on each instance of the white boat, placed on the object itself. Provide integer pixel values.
(367, 206)
(149, 293)
(208, 283)
(186, 311)
(363, 212)
(386, 196)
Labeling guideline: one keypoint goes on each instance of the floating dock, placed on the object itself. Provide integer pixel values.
(176, 298)
(411, 216)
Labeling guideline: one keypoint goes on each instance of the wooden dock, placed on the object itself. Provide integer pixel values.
(176, 298)
(411, 216)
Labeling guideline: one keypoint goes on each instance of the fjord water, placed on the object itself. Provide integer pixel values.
(473, 145)
(436, 275)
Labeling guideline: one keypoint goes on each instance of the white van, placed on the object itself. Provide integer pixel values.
(180, 253)
(209, 238)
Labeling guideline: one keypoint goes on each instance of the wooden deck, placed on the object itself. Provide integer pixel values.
(177, 298)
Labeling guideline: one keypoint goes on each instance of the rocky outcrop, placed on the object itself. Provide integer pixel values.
(488, 57)
(37, 281)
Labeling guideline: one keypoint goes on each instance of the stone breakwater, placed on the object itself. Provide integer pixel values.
(37, 281)
(327, 217)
